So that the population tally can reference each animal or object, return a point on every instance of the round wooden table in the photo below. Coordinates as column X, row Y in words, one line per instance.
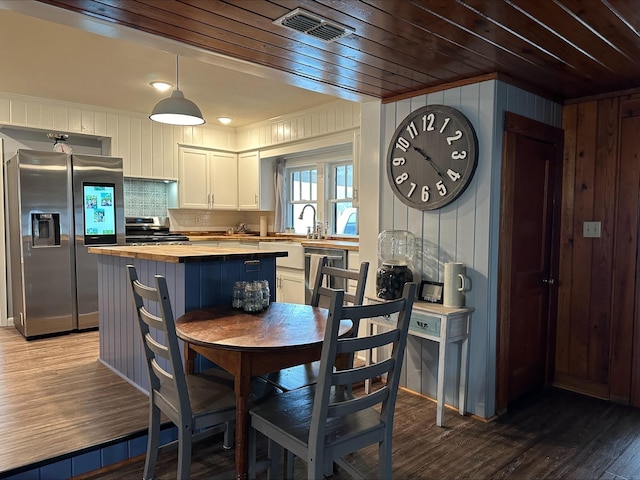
column 251, row 344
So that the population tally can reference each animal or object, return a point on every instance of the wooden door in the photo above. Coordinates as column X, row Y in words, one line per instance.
column 531, row 184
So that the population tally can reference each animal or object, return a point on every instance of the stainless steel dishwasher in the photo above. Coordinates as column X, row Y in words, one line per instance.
column 336, row 258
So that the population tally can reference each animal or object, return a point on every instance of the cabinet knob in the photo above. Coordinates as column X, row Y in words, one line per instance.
column 549, row 281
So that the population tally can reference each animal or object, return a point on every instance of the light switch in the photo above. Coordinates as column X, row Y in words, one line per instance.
column 591, row 230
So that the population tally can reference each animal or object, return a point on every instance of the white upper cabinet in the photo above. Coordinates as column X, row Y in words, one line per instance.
column 255, row 182
column 208, row 179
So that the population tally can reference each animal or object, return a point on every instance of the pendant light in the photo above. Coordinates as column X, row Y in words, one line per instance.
column 176, row 109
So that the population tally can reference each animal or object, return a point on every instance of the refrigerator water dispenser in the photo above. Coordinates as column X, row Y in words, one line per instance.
column 45, row 228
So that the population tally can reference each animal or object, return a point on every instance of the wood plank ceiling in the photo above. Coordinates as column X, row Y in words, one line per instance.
column 565, row 48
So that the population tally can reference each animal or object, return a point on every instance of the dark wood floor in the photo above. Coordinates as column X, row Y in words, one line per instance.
column 55, row 396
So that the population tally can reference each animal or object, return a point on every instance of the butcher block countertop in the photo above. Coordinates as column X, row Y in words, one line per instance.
column 186, row 253
column 320, row 243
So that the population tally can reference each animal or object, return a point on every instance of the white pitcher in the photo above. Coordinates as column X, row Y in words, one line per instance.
column 455, row 282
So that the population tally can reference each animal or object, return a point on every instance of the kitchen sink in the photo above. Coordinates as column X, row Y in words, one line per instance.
column 294, row 249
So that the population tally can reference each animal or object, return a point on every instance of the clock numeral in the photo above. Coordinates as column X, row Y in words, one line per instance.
column 397, row 162
column 459, row 155
column 444, row 125
column 413, row 131
column 401, row 178
column 453, row 175
column 403, row 144
column 454, row 137
column 425, row 193
column 412, row 189
column 442, row 190
column 427, row 122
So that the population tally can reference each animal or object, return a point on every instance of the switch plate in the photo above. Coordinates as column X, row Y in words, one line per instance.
column 591, row 230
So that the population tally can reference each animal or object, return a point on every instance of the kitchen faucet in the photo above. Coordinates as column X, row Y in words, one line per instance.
column 314, row 218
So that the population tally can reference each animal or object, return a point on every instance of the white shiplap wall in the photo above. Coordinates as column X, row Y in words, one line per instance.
column 324, row 120
column 148, row 149
column 465, row 231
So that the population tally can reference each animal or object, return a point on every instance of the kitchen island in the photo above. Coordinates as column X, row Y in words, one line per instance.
column 197, row 277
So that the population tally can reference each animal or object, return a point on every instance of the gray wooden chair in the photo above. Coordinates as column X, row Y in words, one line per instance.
column 323, row 423
column 199, row 405
column 307, row 374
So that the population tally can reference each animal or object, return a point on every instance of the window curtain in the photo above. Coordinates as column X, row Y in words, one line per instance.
column 279, row 224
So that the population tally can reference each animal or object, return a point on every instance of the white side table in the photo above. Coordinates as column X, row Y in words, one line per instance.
column 441, row 324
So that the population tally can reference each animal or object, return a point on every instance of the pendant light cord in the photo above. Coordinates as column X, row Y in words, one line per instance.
column 177, row 73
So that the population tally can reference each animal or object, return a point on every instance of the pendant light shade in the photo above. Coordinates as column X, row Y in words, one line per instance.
column 176, row 109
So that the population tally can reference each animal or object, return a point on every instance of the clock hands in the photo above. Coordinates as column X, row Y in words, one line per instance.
column 431, row 162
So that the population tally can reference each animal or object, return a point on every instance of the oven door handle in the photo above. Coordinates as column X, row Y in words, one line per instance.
column 329, row 257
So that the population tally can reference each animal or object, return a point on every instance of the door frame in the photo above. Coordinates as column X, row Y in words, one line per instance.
column 518, row 125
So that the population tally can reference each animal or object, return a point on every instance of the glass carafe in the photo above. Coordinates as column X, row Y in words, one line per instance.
column 395, row 250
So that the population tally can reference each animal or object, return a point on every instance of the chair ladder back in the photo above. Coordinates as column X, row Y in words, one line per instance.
column 324, row 406
column 324, row 270
column 165, row 346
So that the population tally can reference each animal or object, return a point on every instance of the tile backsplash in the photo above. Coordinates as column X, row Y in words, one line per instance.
column 146, row 198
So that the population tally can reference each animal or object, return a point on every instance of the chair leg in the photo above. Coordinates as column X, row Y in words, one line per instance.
column 289, row 459
column 152, row 443
column 229, row 435
column 276, row 453
column 184, row 453
column 384, row 458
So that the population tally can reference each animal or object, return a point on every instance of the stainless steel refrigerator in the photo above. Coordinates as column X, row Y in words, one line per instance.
column 57, row 206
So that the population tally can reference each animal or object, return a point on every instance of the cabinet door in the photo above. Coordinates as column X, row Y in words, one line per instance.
column 290, row 286
column 248, row 181
column 194, row 178
column 224, row 180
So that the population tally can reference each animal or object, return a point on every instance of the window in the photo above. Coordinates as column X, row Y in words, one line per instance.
column 344, row 216
column 303, row 191
column 320, row 188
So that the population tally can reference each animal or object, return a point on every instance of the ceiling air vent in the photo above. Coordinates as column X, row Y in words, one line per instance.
column 311, row 24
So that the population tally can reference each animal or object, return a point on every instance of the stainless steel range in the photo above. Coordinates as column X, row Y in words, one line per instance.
column 151, row 231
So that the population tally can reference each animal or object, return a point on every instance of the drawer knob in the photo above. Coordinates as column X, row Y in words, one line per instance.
column 423, row 324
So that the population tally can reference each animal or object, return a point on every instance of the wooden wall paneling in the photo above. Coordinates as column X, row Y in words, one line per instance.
column 46, row 114
column 169, row 152
column 18, row 112
column 5, row 110
column 61, row 118
column 100, row 127
column 150, row 166
column 112, row 131
column 135, row 147
column 34, row 116
column 469, row 100
column 630, row 106
column 75, row 120
column 156, row 154
column 602, row 252
column 87, row 121
column 625, row 261
column 124, row 145
column 565, row 273
column 583, row 207
column 483, row 293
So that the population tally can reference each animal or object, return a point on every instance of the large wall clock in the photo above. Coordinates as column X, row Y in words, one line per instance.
column 432, row 157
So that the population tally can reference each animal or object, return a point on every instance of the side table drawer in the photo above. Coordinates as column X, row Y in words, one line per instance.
column 425, row 324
